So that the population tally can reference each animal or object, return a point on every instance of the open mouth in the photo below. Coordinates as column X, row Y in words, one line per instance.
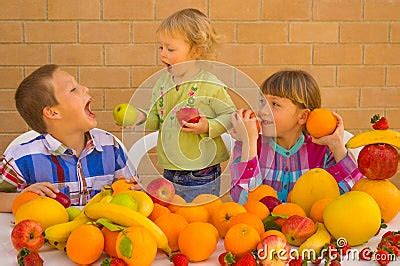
column 88, row 109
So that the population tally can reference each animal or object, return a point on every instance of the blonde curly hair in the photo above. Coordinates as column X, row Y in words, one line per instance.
column 196, row 29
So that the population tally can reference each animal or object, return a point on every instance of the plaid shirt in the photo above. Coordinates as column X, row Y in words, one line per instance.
column 45, row 159
column 281, row 168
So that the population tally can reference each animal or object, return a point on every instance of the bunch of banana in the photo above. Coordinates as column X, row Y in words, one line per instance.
column 145, row 204
column 57, row 245
column 127, row 217
column 315, row 242
column 373, row 137
column 60, row 232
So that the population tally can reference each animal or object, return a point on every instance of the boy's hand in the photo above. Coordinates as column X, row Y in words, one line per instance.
column 197, row 128
column 335, row 140
column 245, row 128
column 43, row 189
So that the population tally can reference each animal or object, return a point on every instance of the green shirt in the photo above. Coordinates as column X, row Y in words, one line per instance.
column 178, row 150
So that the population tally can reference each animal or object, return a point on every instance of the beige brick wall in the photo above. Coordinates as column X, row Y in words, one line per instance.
column 352, row 47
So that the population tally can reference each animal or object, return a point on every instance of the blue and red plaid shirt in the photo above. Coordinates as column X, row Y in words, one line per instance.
column 45, row 159
column 281, row 168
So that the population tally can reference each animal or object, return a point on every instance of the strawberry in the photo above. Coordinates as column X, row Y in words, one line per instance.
column 113, row 262
column 180, row 260
column 365, row 254
column 246, row 260
column 379, row 123
column 296, row 262
column 316, row 261
column 334, row 263
column 388, row 233
column 344, row 249
column 382, row 256
column 226, row 258
column 28, row 258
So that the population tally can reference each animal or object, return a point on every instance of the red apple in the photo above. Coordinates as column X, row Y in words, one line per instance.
column 273, row 250
column 270, row 202
column 378, row 161
column 188, row 114
column 63, row 199
column 27, row 234
column 161, row 190
column 297, row 229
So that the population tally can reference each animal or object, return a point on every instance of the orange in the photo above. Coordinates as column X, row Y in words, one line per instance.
column 136, row 246
column 209, row 201
column 262, row 191
column 289, row 196
column 176, row 202
column 272, row 233
column 120, row 185
column 110, row 240
column 158, row 210
column 317, row 209
column 23, row 198
column 85, row 244
column 241, row 238
column 250, row 219
column 287, row 209
column 257, row 208
column 198, row 241
column 172, row 225
column 321, row 122
column 222, row 216
column 193, row 213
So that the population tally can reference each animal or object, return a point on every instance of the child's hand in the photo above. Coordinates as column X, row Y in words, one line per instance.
column 43, row 189
column 335, row 140
column 133, row 181
column 197, row 128
column 245, row 128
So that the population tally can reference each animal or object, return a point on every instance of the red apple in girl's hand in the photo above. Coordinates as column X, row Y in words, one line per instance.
column 27, row 234
column 188, row 114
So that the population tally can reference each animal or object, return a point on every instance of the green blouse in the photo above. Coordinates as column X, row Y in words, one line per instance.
column 178, row 150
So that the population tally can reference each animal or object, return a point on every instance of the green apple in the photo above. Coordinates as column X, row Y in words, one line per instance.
column 124, row 200
column 125, row 114
column 73, row 212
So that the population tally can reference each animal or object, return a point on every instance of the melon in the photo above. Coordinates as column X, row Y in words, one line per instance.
column 354, row 216
column 314, row 185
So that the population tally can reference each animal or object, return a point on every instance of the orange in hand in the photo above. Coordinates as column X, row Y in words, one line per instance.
column 120, row 185
column 321, row 122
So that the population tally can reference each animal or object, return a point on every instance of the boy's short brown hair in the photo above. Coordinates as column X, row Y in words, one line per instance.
column 297, row 85
column 34, row 94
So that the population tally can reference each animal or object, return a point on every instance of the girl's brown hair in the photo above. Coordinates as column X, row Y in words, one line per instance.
column 195, row 27
column 297, row 85
column 34, row 94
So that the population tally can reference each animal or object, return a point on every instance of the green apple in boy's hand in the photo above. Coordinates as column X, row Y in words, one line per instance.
column 125, row 114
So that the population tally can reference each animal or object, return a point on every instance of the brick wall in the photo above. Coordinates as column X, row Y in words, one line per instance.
column 352, row 47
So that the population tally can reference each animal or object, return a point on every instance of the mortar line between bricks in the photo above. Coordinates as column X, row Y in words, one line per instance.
column 47, row 9
column 363, row 10
column 312, row 10
column 101, row 9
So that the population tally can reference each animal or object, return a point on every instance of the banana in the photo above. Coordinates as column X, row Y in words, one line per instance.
column 315, row 242
column 375, row 136
column 145, row 204
column 57, row 245
column 106, row 199
column 60, row 232
column 127, row 217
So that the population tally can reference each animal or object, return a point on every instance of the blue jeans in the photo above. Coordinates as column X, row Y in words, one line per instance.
column 189, row 184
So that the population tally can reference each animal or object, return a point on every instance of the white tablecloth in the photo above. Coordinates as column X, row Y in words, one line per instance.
column 54, row 257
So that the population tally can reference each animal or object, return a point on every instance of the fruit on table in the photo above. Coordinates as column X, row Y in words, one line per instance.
column 124, row 200
column 28, row 258
column 384, row 193
column 27, row 234
column 176, row 202
column 144, row 202
column 172, row 225
column 193, row 213
column 222, row 216
column 257, row 208
column 317, row 209
column 188, row 114
column 44, row 210
column 354, row 216
column 315, row 184
column 127, row 217
column 378, row 161
column 321, row 122
column 110, row 240
column 61, row 246
column 161, row 190
column 249, row 219
column 270, row 202
column 317, row 241
column 276, row 243
column 85, row 250
column 262, row 191
column 297, row 229
column 198, row 241
column 387, row 136
column 73, row 212
column 136, row 246
column 241, row 238
column 21, row 199
column 209, row 201
column 60, row 232
column 125, row 114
